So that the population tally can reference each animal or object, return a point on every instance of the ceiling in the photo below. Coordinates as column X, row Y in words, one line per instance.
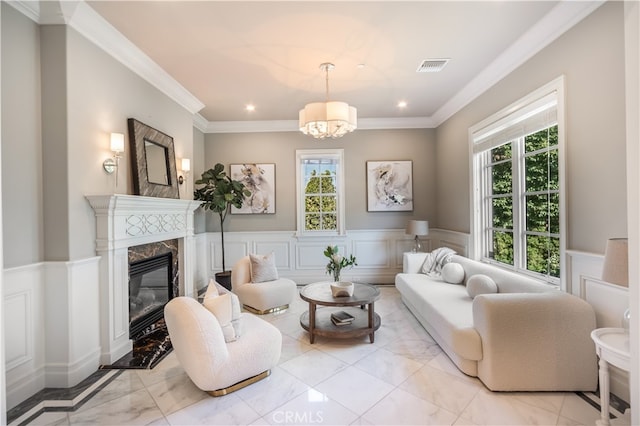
column 267, row 54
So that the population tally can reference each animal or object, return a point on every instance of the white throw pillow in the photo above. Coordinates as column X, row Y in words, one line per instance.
column 212, row 289
column 453, row 273
column 481, row 284
column 226, row 308
column 263, row 267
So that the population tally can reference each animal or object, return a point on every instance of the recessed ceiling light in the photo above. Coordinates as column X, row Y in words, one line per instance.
column 250, row 107
column 360, row 66
column 402, row 104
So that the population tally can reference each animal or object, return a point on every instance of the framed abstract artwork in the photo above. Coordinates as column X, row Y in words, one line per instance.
column 260, row 180
column 389, row 186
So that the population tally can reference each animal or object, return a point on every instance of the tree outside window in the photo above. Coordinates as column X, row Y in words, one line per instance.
column 320, row 191
column 538, row 200
column 517, row 185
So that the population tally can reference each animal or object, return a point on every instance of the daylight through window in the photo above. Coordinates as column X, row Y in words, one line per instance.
column 518, row 192
column 320, row 196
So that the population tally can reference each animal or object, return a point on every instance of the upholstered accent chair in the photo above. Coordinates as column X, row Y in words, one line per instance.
column 214, row 365
column 261, row 292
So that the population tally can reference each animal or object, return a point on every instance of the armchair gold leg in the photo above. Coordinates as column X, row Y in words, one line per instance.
column 240, row 385
column 266, row 311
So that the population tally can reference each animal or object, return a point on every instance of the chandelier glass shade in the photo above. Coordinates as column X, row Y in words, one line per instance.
column 329, row 119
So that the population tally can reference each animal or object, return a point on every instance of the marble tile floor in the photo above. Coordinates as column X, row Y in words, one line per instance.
column 403, row 378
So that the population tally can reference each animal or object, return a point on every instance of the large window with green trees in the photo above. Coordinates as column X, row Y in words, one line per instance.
column 518, row 191
column 320, row 192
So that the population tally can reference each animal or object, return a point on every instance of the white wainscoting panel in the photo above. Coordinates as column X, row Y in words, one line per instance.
column 281, row 250
column 378, row 252
column 609, row 301
column 24, row 331
column 18, row 308
column 581, row 264
column 53, row 340
column 201, row 271
column 373, row 254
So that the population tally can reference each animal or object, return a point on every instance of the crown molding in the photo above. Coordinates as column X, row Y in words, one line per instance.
column 82, row 18
column 292, row 125
column 91, row 25
column 200, row 123
column 555, row 23
column 30, row 9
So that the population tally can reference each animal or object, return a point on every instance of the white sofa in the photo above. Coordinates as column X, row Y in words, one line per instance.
column 528, row 336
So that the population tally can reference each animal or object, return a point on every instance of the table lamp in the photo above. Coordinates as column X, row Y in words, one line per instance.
column 417, row 228
column 615, row 269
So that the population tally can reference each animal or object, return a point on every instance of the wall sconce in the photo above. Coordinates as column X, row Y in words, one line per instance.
column 110, row 165
column 186, row 168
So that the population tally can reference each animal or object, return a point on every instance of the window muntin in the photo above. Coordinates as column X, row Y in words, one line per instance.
column 523, row 175
column 517, row 180
column 320, row 192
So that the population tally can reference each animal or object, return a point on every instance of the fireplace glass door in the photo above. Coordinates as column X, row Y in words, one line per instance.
column 150, row 288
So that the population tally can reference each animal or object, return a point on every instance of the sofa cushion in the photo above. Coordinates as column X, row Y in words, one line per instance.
column 263, row 267
column 225, row 306
column 507, row 281
column 453, row 273
column 481, row 284
column 447, row 308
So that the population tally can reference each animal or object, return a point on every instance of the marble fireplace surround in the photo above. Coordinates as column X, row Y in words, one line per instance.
column 124, row 221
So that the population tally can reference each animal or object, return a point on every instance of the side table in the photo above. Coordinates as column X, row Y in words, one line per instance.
column 612, row 347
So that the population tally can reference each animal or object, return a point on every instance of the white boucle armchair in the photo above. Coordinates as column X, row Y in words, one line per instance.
column 262, row 297
column 212, row 364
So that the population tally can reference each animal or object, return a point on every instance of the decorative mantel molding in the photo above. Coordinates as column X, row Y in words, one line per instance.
column 124, row 221
column 128, row 220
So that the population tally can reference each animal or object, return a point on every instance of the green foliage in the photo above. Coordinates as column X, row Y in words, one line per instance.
column 219, row 192
column 320, row 202
column 542, row 207
column 337, row 262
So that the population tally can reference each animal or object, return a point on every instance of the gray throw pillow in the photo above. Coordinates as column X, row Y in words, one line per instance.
column 263, row 267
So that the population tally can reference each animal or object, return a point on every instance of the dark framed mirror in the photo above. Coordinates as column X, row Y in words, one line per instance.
column 153, row 161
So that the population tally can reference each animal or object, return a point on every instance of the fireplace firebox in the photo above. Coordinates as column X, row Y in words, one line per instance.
column 150, row 288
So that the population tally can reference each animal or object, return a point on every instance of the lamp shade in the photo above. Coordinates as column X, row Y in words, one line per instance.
column 616, row 262
column 117, row 142
column 186, row 165
column 417, row 227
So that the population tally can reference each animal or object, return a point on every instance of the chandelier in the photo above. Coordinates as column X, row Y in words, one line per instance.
column 329, row 119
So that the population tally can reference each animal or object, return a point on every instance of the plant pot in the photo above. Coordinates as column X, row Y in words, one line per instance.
column 224, row 279
column 342, row 289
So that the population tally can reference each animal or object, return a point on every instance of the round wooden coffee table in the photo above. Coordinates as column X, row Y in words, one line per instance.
column 360, row 306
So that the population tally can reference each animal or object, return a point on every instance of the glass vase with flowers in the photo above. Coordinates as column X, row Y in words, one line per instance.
column 337, row 262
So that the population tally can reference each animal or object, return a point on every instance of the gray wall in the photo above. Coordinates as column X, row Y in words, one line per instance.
column 21, row 140
column 359, row 147
column 197, row 167
column 83, row 95
column 102, row 94
column 591, row 56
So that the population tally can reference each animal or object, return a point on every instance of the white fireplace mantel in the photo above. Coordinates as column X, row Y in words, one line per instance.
column 124, row 221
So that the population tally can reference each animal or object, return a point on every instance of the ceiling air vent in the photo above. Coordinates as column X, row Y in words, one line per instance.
column 432, row 65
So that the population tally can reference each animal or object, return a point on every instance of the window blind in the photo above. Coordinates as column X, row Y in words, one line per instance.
column 535, row 116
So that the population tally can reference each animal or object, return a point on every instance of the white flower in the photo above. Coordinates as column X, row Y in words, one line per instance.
column 336, row 258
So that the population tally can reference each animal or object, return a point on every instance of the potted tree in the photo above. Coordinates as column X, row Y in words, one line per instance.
column 219, row 192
